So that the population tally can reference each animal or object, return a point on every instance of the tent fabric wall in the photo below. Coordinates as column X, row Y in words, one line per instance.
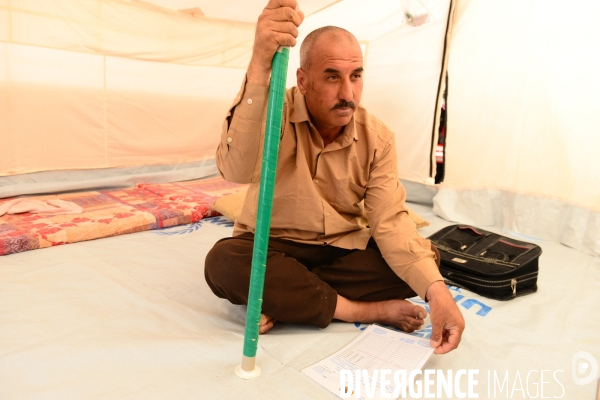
column 104, row 84
column 235, row 10
column 114, row 83
column 129, row 29
column 523, row 109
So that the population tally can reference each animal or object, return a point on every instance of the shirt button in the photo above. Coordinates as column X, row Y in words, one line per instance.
column 327, row 214
column 249, row 101
column 317, row 181
column 229, row 139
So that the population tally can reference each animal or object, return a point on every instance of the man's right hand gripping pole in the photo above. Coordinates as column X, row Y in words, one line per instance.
column 277, row 26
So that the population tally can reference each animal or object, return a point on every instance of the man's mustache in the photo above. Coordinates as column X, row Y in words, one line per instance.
column 344, row 104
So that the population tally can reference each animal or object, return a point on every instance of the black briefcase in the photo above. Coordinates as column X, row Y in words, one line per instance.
column 488, row 264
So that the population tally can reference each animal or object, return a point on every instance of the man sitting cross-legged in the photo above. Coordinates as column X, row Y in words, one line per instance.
column 336, row 161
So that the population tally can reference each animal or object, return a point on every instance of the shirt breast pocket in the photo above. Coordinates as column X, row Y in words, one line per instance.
column 348, row 197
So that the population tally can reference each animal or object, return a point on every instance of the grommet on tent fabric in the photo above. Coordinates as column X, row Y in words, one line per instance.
column 248, row 369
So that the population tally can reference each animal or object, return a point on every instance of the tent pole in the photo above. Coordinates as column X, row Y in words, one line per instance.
column 248, row 369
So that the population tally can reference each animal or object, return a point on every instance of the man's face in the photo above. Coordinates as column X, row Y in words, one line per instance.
column 333, row 83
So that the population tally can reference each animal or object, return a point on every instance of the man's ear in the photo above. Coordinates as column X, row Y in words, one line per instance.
column 301, row 80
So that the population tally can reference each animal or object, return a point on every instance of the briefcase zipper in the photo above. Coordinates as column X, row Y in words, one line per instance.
column 513, row 284
column 512, row 281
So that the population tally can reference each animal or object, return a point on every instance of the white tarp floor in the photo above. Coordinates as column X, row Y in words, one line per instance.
column 132, row 317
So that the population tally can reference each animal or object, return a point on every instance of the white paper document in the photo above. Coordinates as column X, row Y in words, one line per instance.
column 372, row 358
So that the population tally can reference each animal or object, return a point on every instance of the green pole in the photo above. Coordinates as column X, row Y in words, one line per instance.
column 248, row 369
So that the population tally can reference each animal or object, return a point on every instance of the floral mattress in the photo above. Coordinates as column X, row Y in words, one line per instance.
column 113, row 212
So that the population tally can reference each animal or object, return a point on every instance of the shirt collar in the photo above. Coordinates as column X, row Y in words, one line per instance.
column 300, row 113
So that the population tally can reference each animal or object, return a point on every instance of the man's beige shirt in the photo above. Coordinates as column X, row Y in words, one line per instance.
column 320, row 192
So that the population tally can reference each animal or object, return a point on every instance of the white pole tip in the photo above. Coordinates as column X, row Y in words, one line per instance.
column 242, row 373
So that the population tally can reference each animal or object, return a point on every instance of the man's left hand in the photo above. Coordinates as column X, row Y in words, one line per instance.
column 448, row 323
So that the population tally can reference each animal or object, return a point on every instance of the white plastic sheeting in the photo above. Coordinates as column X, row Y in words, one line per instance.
column 132, row 317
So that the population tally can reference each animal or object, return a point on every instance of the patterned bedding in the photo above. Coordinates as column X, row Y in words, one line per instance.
column 114, row 212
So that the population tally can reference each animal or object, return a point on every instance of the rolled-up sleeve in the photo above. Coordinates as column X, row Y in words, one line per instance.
column 239, row 149
column 406, row 252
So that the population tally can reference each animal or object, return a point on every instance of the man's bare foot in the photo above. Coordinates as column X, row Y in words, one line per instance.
column 400, row 313
column 265, row 324
column 403, row 314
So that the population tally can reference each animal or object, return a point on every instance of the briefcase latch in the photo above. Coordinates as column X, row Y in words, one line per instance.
column 513, row 285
